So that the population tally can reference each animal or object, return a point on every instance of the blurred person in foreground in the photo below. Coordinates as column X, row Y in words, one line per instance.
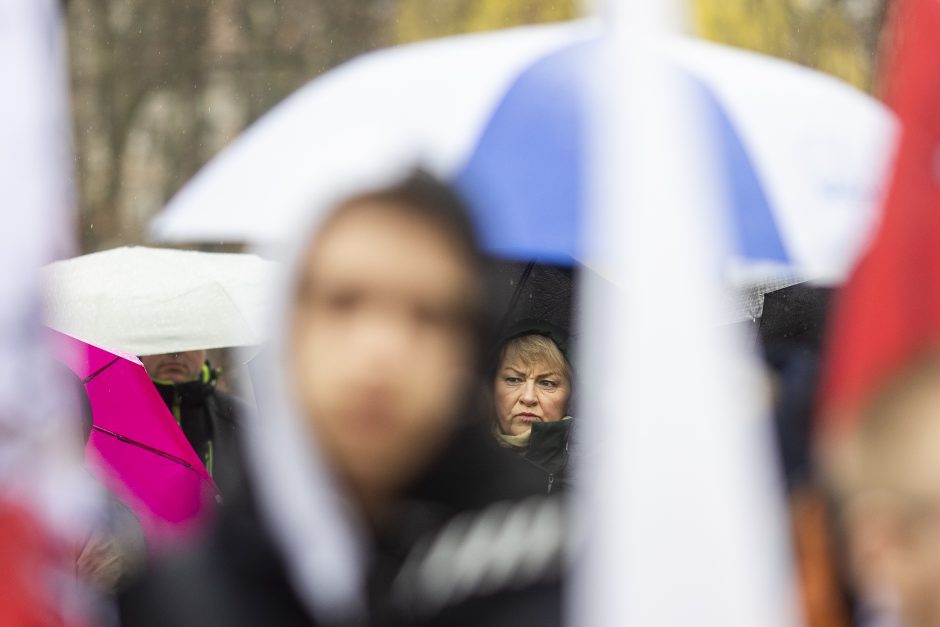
column 532, row 395
column 888, row 487
column 374, row 495
column 187, row 382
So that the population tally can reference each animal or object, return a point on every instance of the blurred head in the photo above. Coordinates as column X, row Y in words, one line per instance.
column 532, row 384
column 175, row 367
column 892, row 507
column 382, row 344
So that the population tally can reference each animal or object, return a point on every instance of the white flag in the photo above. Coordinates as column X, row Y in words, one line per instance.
column 682, row 512
column 40, row 451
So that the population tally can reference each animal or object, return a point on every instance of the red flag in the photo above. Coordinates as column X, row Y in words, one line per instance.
column 35, row 590
column 890, row 309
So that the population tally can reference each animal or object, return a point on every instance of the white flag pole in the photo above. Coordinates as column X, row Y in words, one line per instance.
column 681, row 511
column 40, row 452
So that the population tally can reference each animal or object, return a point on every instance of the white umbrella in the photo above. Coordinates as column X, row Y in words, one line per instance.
column 501, row 115
column 148, row 301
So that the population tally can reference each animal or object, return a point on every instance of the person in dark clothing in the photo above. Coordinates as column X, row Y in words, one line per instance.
column 532, row 392
column 370, row 453
column 240, row 576
column 188, row 385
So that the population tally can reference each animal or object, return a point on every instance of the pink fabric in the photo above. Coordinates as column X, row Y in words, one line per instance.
column 158, row 475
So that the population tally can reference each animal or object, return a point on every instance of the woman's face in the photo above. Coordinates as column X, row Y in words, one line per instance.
column 529, row 393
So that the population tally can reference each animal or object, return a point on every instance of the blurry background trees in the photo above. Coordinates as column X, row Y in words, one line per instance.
column 836, row 36
column 160, row 86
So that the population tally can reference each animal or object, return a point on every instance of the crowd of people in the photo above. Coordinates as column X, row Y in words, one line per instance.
column 408, row 455
column 406, row 452
column 386, row 340
column 406, row 460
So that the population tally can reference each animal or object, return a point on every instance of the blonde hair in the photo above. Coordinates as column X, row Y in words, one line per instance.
column 534, row 348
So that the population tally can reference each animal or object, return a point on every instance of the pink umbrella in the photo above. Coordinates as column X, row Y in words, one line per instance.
column 136, row 449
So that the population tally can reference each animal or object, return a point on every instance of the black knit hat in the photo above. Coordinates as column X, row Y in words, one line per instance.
column 537, row 327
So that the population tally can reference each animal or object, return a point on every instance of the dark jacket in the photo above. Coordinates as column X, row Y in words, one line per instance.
column 210, row 420
column 548, row 451
column 546, row 457
column 234, row 577
column 237, row 577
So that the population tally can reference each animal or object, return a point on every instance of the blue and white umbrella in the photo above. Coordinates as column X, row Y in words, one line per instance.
column 505, row 117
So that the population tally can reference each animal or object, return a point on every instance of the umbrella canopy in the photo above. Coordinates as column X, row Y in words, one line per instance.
column 147, row 301
column 136, row 449
column 503, row 115
column 531, row 291
column 796, row 315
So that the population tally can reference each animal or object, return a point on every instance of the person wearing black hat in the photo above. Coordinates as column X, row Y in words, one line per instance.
column 532, row 393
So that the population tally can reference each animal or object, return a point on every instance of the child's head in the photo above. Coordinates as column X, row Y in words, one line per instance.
column 891, row 496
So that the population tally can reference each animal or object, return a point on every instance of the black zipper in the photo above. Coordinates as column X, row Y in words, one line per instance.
column 551, row 482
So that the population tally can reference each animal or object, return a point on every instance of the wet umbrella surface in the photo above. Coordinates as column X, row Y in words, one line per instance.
column 532, row 291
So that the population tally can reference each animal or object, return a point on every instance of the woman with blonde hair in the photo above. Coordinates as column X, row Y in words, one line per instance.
column 532, row 395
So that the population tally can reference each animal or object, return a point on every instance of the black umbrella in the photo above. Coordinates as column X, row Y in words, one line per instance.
column 531, row 291
column 795, row 315
column 792, row 334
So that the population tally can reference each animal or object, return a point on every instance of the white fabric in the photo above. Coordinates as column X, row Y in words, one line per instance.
column 681, row 510
column 40, row 451
column 148, row 301
column 314, row 527
column 820, row 147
